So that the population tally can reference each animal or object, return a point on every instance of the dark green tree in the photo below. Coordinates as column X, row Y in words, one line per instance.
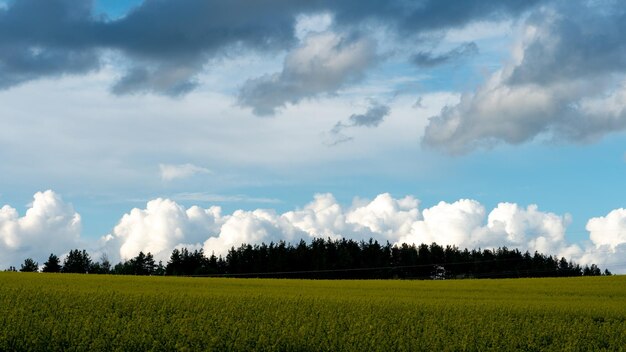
column 105, row 264
column 29, row 266
column 77, row 262
column 122, row 269
column 160, row 269
column 175, row 264
column 143, row 264
column 101, row 267
column 53, row 265
column 348, row 259
column 592, row 271
column 185, row 262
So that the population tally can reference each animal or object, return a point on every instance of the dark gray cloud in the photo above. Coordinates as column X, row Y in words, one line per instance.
column 171, row 29
column 373, row 117
column 24, row 64
column 45, row 38
column 54, row 37
column 578, row 41
column 429, row 59
column 167, row 35
column 172, row 81
column 420, row 16
column 567, row 84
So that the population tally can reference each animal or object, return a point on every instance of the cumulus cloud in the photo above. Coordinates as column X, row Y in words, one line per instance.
column 384, row 217
column 164, row 225
column 159, row 228
column 447, row 223
column 171, row 172
column 323, row 217
column 373, row 117
column 609, row 230
column 324, row 63
column 158, row 38
column 49, row 225
column 565, row 82
column 530, row 228
column 466, row 223
column 608, row 238
column 250, row 227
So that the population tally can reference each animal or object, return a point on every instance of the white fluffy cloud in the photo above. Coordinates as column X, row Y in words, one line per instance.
column 462, row 223
column 49, row 226
column 531, row 229
column 384, row 216
column 323, row 217
column 608, row 236
column 609, row 230
column 160, row 227
column 448, row 224
column 249, row 227
column 164, row 225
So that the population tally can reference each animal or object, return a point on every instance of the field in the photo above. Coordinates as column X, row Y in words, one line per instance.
column 63, row 312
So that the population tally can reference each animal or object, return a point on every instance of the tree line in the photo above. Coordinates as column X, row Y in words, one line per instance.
column 331, row 259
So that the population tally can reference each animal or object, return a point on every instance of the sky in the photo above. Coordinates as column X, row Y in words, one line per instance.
column 151, row 125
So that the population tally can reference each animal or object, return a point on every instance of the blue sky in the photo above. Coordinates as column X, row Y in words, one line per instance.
column 114, row 8
column 501, row 121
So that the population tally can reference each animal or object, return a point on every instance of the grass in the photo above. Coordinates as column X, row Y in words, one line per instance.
column 54, row 312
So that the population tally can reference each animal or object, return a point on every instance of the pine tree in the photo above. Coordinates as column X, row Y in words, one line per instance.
column 53, row 265
column 77, row 262
column 29, row 266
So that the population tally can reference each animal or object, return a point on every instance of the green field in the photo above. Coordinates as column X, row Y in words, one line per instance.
column 63, row 312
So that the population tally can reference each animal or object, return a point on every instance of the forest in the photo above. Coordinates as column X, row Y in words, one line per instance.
column 330, row 259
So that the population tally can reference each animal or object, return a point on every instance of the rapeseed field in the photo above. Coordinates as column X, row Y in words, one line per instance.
column 52, row 312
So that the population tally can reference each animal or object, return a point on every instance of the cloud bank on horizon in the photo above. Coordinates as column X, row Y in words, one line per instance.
column 51, row 225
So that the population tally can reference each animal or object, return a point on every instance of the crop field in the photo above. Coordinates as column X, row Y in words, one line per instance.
column 55, row 312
